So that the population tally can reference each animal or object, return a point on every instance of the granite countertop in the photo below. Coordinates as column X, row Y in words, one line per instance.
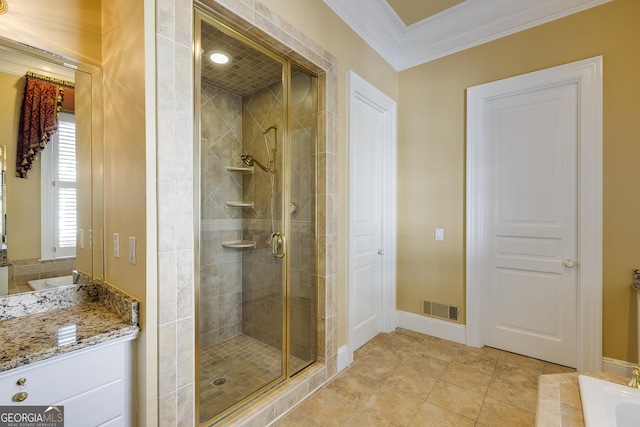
column 39, row 325
column 559, row 401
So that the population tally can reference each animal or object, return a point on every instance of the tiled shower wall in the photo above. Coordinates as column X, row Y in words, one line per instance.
column 220, row 268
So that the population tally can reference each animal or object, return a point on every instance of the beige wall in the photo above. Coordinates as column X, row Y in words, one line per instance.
column 66, row 27
column 431, row 157
column 323, row 26
column 125, row 179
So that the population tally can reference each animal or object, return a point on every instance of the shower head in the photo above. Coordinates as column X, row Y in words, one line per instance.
column 250, row 161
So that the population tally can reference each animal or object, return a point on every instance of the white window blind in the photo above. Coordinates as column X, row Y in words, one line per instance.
column 59, row 219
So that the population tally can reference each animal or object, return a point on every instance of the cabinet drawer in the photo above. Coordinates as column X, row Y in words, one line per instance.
column 94, row 408
column 62, row 377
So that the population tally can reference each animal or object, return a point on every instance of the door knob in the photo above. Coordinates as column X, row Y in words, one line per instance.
column 380, row 252
column 569, row 263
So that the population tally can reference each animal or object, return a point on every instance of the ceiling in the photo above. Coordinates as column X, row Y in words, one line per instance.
column 411, row 32
column 412, row 11
column 248, row 70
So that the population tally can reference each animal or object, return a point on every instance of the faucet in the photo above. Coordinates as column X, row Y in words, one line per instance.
column 635, row 377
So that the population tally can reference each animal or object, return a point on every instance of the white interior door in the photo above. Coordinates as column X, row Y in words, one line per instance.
column 366, row 227
column 371, row 213
column 531, row 263
column 534, row 201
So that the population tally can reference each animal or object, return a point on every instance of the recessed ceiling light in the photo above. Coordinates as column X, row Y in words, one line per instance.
column 218, row 57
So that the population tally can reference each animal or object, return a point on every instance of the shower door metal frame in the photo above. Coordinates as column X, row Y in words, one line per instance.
column 203, row 13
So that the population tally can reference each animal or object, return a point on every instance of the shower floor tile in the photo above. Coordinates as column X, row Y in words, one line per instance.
column 244, row 365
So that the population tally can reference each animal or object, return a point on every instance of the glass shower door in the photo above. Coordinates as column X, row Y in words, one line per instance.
column 302, row 221
column 242, row 334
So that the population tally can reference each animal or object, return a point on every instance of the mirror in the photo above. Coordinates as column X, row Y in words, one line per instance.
column 53, row 219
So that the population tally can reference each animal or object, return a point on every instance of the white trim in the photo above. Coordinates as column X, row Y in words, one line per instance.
column 468, row 24
column 617, row 367
column 361, row 89
column 432, row 327
column 588, row 75
column 343, row 358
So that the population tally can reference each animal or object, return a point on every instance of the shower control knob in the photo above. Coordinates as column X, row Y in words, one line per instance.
column 569, row 263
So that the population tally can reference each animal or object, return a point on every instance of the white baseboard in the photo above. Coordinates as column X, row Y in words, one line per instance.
column 617, row 367
column 430, row 326
column 343, row 358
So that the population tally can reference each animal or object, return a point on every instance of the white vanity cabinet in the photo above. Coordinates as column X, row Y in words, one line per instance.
column 94, row 384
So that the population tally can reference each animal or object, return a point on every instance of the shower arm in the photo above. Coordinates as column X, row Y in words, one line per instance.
column 271, row 157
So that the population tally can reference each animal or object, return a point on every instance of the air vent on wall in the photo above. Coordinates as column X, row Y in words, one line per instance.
column 439, row 310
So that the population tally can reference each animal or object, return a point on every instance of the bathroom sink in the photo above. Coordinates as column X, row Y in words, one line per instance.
column 606, row 404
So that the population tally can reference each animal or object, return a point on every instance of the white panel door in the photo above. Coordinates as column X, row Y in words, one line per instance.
column 366, row 130
column 372, row 216
column 531, row 223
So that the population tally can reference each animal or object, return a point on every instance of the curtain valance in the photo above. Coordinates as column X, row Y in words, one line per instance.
column 43, row 99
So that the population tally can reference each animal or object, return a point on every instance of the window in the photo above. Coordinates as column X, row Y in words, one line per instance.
column 59, row 218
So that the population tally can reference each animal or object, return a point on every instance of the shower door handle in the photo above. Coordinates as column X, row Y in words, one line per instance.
column 277, row 245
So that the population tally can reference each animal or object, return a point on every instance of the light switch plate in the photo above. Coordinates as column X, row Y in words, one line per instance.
column 439, row 235
column 132, row 250
column 116, row 245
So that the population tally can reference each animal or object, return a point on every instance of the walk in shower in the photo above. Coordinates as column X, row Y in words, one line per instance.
column 257, row 250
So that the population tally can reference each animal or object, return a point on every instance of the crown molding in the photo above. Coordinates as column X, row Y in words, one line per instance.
column 461, row 27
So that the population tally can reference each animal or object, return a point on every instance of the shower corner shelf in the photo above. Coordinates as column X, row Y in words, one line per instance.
column 248, row 170
column 239, row 244
column 240, row 204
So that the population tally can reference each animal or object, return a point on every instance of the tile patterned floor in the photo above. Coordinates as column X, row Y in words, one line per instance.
column 409, row 379
column 244, row 363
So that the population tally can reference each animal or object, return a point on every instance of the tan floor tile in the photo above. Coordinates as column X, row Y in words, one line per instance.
column 372, row 367
column 467, row 377
column 354, row 386
column 484, row 362
column 552, row 368
column 432, row 415
column 394, row 404
column 497, row 414
column 521, row 372
column 456, row 399
column 418, row 335
column 327, row 408
column 403, row 340
column 295, row 419
column 513, row 393
column 517, row 361
column 441, row 349
column 427, row 365
column 411, row 381
column 485, row 351
column 387, row 353
column 359, row 353
column 370, row 418
column 394, row 373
